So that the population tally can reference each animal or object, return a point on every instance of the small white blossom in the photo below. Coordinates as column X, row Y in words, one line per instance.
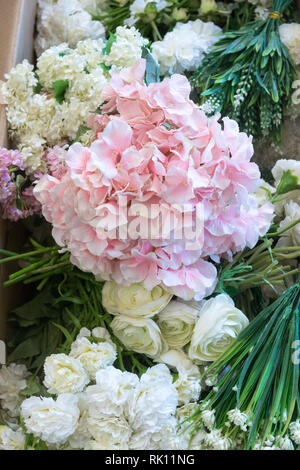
column 238, row 418
column 285, row 443
column 216, row 441
column 208, row 418
column 294, row 429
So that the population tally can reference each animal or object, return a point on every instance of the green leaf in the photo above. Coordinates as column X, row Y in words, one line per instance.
column 152, row 67
column 81, row 131
column 112, row 38
column 288, row 183
column 29, row 348
column 33, row 387
column 275, row 95
column 65, row 332
column 261, row 82
column 38, row 87
column 279, row 64
column 104, row 67
column 60, row 87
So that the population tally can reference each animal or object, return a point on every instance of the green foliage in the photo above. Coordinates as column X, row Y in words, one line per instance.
column 67, row 300
column 288, row 182
column 81, row 131
column 154, row 24
column 109, row 43
column 248, row 76
column 152, row 67
column 60, row 88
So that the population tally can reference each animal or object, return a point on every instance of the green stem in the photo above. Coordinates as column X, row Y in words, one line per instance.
column 276, row 234
column 26, row 255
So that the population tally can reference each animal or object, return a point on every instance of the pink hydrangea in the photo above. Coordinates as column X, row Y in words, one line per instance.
column 156, row 149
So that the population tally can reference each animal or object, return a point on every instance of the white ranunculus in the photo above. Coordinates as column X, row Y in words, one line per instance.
column 64, row 374
column 52, row 421
column 12, row 381
column 263, row 192
column 11, row 440
column 176, row 323
column 134, row 300
column 292, row 236
column 141, row 335
column 218, row 325
column 93, row 355
column 284, row 165
column 290, row 36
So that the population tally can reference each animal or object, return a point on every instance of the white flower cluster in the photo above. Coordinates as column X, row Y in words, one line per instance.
column 119, row 412
column 126, row 50
column 96, row 406
column 67, row 21
column 36, row 119
column 90, row 352
column 184, row 48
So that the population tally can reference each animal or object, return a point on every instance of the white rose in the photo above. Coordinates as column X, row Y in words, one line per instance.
column 176, row 323
column 292, row 236
column 64, row 374
column 93, row 356
column 134, row 300
column 52, row 421
column 218, row 325
column 141, row 335
column 12, row 381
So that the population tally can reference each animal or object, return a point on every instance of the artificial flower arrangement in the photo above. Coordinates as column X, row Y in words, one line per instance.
column 165, row 268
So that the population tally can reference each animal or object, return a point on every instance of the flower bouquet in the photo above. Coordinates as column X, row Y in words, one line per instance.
column 163, row 269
